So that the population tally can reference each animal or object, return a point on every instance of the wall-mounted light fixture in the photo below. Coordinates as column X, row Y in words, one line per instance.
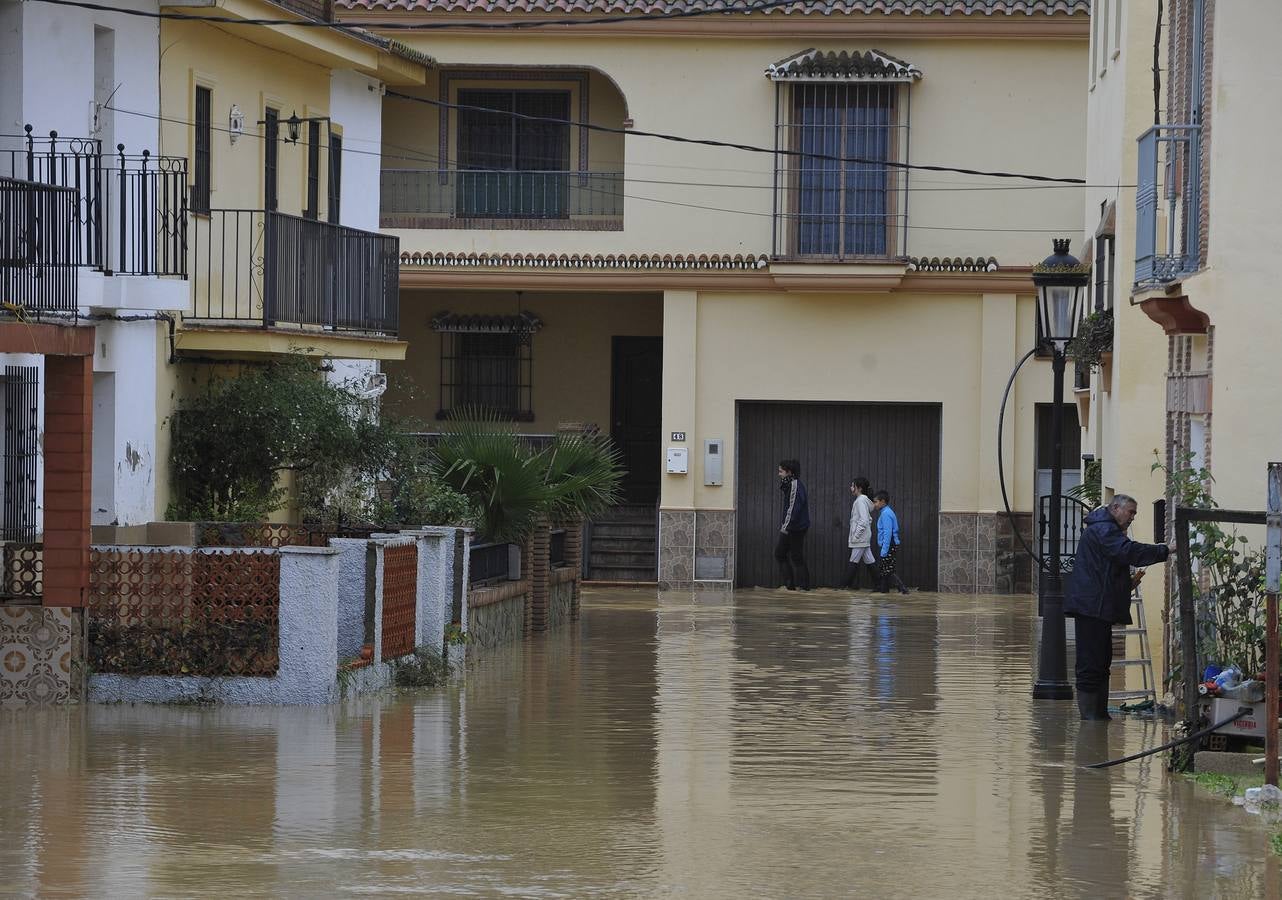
column 235, row 123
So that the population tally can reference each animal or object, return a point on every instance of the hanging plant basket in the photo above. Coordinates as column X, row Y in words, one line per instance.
column 1093, row 345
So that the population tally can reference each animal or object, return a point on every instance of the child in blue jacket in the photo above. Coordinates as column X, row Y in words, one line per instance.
column 887, row 544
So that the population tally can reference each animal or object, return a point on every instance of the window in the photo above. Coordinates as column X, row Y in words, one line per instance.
column 21, row 452
column 335, row 177
column 312, row 211
column 200, row 190
column 840, row 194
column 486, row 363
column 271, row 155
column 512, row 167
column 1104, row 264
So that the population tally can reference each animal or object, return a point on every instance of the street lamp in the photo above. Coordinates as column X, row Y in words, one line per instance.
column 1061, row 283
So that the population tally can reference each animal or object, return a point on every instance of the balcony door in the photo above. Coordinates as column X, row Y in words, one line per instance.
column 510, row 167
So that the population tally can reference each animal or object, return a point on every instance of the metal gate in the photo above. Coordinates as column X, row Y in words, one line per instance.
column 21, row 429
column 895, row 445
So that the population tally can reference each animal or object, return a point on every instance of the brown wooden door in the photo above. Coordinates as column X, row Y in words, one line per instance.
column 895, row 445
column 636, row 412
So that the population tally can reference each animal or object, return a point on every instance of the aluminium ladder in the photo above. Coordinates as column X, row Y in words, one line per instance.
column 1139, row 629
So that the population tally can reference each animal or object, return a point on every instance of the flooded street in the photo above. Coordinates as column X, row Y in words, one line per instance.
column 759, row 744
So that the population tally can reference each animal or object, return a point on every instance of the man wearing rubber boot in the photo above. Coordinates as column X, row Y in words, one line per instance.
column 1098, row 595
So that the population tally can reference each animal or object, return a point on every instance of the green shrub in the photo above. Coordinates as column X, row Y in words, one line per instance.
column 425, row 668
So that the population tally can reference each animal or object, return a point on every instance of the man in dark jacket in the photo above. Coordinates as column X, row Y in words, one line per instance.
column 1099, row 596
column 790, row 549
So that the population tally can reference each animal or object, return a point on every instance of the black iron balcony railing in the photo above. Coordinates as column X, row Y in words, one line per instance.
column 442, row 197
column 1168, row 204
column 39, row 252
column 130, row 216
column 268, row 269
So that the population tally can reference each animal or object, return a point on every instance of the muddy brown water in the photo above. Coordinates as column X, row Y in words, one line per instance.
column 759, row 744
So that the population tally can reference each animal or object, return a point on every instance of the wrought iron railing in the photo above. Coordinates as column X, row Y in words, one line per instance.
column 39, row 252
column 440, row 197
column 488, row 563
column 1168, row 203
column 130, row 211
column 1073, row 514
column 249, row 266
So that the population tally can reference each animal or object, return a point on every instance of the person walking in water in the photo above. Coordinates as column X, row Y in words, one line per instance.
column 860, row 537
column 887, row 544
column 790, row 549
column 1098, row 596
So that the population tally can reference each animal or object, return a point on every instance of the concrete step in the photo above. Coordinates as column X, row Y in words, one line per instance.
column 624, row 558
column 620, row 573
column 602, row 530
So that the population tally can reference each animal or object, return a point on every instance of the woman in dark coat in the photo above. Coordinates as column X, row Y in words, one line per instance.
column 1098, row 595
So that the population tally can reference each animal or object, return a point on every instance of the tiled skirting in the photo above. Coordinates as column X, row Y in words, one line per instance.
column 40, row 651
column 696, row 549
column 978, row 553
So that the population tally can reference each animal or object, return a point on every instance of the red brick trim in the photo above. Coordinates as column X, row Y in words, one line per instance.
column 46, row 339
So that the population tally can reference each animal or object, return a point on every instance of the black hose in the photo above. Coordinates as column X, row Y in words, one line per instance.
column 1172, row 744
column 1001, row 465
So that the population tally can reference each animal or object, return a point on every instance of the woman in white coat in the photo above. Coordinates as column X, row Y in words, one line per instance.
column 860, row 537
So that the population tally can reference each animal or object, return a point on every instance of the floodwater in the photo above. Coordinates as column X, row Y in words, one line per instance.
column 761, row 744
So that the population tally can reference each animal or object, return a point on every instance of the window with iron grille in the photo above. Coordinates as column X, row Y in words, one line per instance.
column 841, row 135
column 313, row 171
column 488, row 371
column 512, row 167
column 202, row 162
column 335, row 177
column 271, row 157
column 21, row 422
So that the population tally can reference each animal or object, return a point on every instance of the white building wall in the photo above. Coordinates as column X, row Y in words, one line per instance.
column 124, row 458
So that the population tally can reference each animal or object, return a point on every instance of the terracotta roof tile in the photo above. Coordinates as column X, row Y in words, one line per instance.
column 650, row 261
column 868, row 65
column 801, row 7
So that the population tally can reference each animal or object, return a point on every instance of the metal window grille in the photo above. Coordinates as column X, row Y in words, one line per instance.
column 836, row 196
column 313, row 171
column 487, row 370
column 271, row 157
column 203, row 161
column 21, row 428
column 512, row 167
column 335, row 177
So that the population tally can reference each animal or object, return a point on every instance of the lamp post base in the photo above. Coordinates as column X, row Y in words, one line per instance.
column 1052, row 690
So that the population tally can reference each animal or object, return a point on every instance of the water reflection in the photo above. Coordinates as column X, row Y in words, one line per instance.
column 702, row 745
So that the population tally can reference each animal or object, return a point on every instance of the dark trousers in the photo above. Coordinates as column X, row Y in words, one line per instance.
column 1094, row 654
column 790, row 553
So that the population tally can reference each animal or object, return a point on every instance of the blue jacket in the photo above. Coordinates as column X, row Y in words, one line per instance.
column 796, row 509
column 887, row 530
column 1100, row 584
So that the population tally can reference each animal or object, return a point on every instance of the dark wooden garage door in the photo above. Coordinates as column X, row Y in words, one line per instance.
column 895, row 446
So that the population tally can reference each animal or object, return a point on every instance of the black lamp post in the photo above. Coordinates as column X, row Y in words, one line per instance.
column 1061, row 283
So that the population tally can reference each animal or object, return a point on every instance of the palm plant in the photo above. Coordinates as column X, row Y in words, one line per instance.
column 484, row 458
column 583, row 473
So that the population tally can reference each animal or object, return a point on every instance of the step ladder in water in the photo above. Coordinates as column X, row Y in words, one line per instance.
column 1144, row 662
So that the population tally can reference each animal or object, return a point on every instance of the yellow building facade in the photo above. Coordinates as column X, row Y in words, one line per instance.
column 825, row 295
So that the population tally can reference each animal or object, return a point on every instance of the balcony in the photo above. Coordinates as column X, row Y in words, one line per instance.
column 1168, row 201
column 129, row 215
column 39, row 253
column 252, row 268
column 509, row 199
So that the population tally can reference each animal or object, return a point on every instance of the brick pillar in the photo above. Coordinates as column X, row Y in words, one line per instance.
column 540, row 571
column 68, row 447
column 574, row 559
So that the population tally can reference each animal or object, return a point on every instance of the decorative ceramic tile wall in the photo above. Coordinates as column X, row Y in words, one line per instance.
column 38, row 645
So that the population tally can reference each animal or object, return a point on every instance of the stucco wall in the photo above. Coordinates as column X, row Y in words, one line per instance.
column 309, row 587
column 572, row 352
column 975, row 107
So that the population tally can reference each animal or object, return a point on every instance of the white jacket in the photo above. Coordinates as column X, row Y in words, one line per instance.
column 860, row 522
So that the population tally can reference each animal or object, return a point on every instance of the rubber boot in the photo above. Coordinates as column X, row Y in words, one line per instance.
column 1101, row 707
column 852, row 576
column 1088, row 705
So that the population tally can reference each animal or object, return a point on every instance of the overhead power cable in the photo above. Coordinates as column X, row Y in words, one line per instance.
column 470, row 25
column 732, row 145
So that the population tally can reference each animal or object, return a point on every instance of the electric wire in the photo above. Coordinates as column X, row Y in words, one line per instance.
column 1170, row 745
column 733, row 145
column 350, row 25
